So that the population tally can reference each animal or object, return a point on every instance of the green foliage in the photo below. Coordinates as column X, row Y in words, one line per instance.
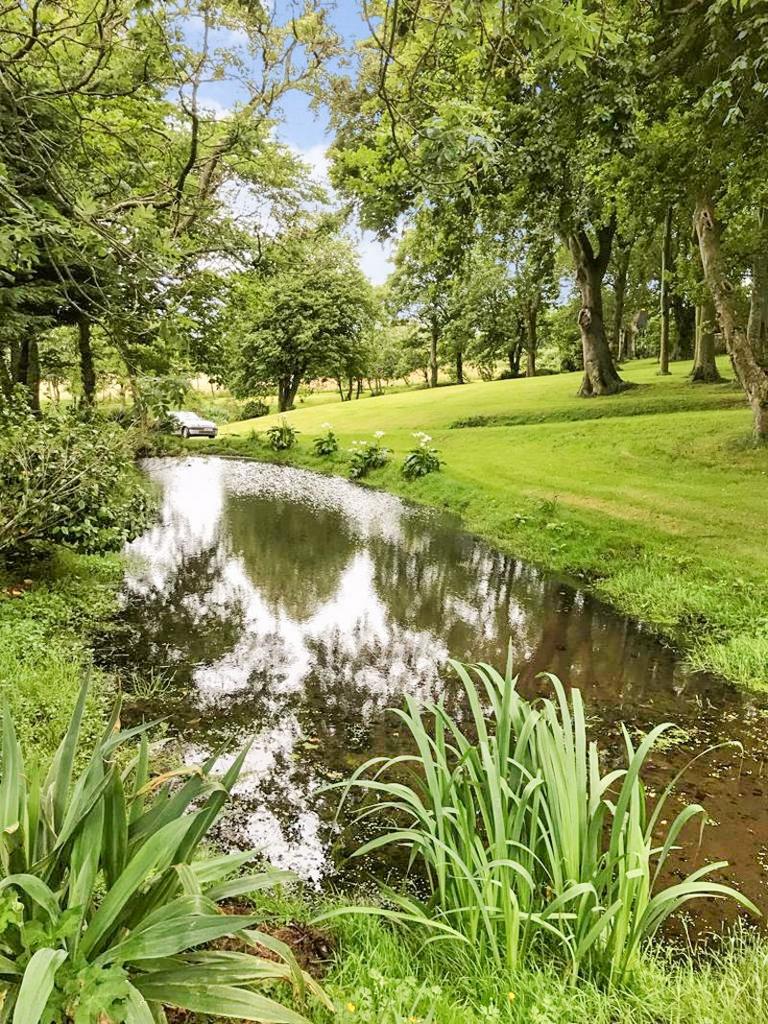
column 282, row 436
column 421, row 460
column 305, row 316
column 49, row 614
column 254, row 409
column 367, row 455
column 527, row 844
column 327, row 443
column 102, row 903
column 71, row 482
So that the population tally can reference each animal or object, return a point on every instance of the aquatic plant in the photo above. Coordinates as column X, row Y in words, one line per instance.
column 421, row 460
column 103, row 906
column 367, row 455
column 525, row 842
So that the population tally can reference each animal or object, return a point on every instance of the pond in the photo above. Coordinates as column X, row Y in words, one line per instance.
column 294, row 608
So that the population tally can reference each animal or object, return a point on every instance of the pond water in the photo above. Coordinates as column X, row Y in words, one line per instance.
column 273, row 603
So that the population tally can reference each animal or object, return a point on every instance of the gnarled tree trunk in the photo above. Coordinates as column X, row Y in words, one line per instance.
column 287, row 389
column 600, row 376
column 704, row 364
column 752, row 377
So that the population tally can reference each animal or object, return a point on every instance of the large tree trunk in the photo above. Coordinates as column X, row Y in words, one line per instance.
column 433, row 355
column 513, row 355
column 600, row 376
column 666, row 261
column 752, row 377
column 623, row 253
column 459, row 367
column 704, row 365
column 684, row 316
column 87, row 371
column 287, row 390
column 757, row 325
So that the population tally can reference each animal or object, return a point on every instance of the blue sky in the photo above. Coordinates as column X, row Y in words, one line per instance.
column 306, row 130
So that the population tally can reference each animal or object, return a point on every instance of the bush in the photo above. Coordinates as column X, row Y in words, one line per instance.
column 70, row 482
column 254, row 409
column 367, row 455
column 327, row 443
column 524, row 842
column 422, row 459
column 282, row 437
column 103, row 906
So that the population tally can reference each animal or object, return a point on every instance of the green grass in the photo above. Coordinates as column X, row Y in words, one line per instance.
column 383, row 974
column 45, row 634
column 660, row 512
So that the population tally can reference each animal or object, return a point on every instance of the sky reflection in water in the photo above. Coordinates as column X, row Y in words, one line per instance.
column 297, row 608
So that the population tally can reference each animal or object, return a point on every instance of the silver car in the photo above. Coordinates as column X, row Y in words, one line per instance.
column 189, row 424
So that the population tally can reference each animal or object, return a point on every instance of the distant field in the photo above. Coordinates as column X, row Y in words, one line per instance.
column 655, row 496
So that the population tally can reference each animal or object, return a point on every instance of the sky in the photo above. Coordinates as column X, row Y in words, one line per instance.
column 307, row 131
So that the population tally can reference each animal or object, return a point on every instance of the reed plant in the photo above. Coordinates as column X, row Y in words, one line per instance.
column 526, row 843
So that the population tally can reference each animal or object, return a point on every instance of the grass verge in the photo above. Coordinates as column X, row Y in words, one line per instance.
column 383, row 974
column 660, row 513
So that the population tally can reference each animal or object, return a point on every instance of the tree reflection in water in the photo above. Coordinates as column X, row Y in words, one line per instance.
column 298, row 608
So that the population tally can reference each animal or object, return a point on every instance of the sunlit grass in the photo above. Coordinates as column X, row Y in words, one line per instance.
column 663, row 513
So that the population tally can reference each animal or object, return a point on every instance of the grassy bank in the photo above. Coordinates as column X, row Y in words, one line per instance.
column 655, row 498
column 379, row 974
column 48, row 614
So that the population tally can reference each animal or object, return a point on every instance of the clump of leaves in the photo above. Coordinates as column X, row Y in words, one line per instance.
column 67, row 481
column 421, row 460
column 327, row 443
column 367, row 455
column 254, row 409
column 105, row 912
column 522, row 839
column 282, row 436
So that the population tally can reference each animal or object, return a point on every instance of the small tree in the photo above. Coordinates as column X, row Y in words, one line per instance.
column 304, row 317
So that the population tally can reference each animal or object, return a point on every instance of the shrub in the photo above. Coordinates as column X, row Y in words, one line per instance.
column 70, row 482
column 282, row 436
column 254, row 409
column 524, row 841
column 327, row 443
column 422, row 459
column 367, row 455
column 103, row 907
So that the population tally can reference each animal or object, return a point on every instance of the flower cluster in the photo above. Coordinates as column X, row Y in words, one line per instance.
column 327, row 443
column 367, row 455
column 422, row 459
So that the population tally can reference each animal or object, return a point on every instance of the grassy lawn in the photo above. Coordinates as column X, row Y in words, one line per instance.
column 654, row 497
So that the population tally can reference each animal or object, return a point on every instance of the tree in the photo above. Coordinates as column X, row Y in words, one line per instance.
column 117, row 179
column 304, row 316
column 421, row 288
column 476, row 104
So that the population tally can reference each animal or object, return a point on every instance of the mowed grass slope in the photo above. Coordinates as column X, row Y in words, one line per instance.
column 656, row 497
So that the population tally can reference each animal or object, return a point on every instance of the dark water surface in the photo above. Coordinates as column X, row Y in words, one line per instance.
column 273, row 602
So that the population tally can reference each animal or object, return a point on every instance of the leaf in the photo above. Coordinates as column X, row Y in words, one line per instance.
column 219, row 1001
column 37, row 985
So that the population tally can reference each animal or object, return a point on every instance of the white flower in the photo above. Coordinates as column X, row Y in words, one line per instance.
column 378, row 434
column 325, row 426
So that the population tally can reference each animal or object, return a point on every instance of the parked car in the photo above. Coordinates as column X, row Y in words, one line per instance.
column 189, row 424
